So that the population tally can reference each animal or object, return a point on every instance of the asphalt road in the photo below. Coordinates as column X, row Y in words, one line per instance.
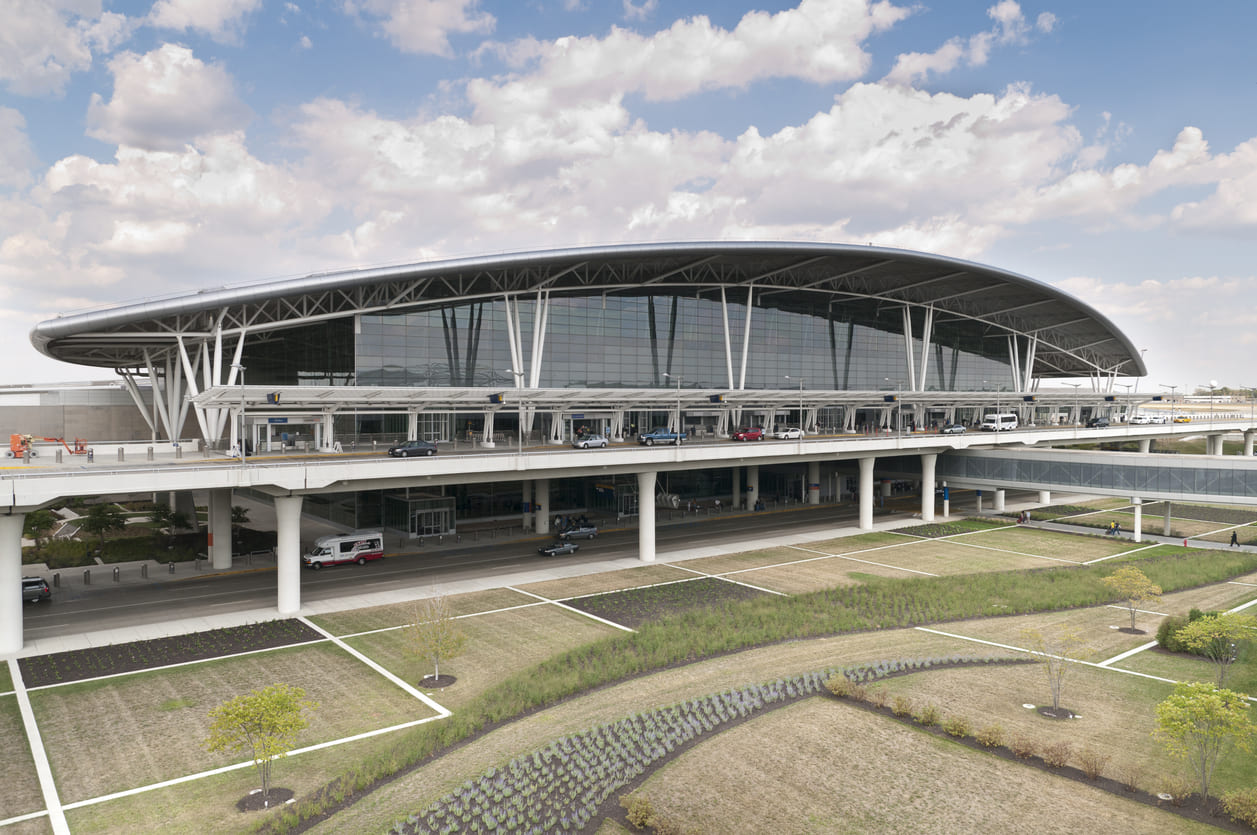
column 76, row 608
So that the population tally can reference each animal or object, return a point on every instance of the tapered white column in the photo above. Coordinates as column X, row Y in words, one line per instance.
column 1165, row 530
column 752, row 486
column 813, row 482
column 1045, row 497
column 1248, row 442
column 646, row 516
column 11, row 583
column 288, row 553
column 999, row 501
column 1145, row 446
column 928, row 463
column 866, row 493
column 219, row 537
column 541, row 501
column 1139, row 518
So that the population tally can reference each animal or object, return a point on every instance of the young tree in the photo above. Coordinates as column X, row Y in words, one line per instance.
column 37, row 526
column 103, row 518
column 1133, row 586
column 1199, row 723
column 165, row 520
column 434, row 633
column 263, row 724
column 1056, row 653
column 1218, row 637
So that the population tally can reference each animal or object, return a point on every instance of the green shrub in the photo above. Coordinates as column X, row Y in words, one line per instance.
column 1241, row 805
column 991, row 736
column 957, row 726
column 638, row 809
column 839, row 686
column 1092, row 762
column 1167, row 634
column 929, row 715
column 1057, row 754
column 1023, row 747
column 901, row 705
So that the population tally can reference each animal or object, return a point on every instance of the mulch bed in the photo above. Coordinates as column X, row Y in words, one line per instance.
column 437, row 682
column 253, row 802
column 79, row 664
column 634, row 607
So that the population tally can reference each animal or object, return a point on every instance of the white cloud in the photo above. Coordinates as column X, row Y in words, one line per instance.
column 16, row 156
column 1010, row 28
column 222, row 20
column 820, row 41
column 1232, row 207
column 164, row 100
column 633, row 11
column 43, row 43
column 423, row 26
column 304, row 42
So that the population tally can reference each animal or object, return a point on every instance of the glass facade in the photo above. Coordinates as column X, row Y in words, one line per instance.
column 632, row 340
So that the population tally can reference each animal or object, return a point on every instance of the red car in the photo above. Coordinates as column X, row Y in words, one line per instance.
column 750, row 433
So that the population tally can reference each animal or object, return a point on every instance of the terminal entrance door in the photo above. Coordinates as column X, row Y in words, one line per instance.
column 430, row 522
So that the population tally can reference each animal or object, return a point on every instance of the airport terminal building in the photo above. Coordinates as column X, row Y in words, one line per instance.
column 539, row 348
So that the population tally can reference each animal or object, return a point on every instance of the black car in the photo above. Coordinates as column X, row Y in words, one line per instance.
column 35, row 588
column 410, row 448
column 1097, row 423
column 558, row 549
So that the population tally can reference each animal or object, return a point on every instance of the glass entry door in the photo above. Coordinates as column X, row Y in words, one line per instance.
column 431, row 522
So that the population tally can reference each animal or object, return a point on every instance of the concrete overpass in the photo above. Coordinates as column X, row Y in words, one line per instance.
column 978, row 459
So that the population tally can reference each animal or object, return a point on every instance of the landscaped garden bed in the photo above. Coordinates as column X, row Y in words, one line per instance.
column 79, row 664
column 635, row 607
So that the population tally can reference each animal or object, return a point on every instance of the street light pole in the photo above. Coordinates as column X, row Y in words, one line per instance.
column 1213, row 384
column 240, row 368
column 677, row 377
column 1171, row 388
column 801, row 420
column 519, row 405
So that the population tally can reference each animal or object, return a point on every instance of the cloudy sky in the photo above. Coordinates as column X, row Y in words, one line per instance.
column 151, row 148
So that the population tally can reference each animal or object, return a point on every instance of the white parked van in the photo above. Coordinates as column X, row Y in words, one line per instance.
column 998, row 423
column 355, row 546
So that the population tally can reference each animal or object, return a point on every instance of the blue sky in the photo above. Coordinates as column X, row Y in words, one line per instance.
column 150, row 148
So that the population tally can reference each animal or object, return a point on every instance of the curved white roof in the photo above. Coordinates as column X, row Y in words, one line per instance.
column 1073, row 338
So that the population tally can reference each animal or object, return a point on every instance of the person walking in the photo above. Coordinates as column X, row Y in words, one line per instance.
column 1235, row 540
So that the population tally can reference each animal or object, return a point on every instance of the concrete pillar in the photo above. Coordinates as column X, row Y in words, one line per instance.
column 1045, row 497
column 737, row 488
column 866, row 493
column 1139, row 519
column 218, row 542
column 886, row 488
column 1248, row 441
column 752, row 486
column 928, row 462
column 541, row 501
column 999, row 500
column 1214, row 446
column 814, row 482
column 183, row 501
column 1165, row 531
column 11, row 583
column 1145, row 446
column 978, row 498
column 288, row 553
column 525, row 488
column 946, row 501
column 646, row 516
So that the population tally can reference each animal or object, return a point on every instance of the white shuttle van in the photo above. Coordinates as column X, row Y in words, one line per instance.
column 355, row 546
column 998, row 423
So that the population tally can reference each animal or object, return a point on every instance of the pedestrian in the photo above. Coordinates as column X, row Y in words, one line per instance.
column 1117, row 528
column 1235, row 540
column 717, row 505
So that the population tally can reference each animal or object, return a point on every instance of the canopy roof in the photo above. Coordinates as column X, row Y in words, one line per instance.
column 1074, row 340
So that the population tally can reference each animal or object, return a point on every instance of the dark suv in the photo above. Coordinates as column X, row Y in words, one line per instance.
column 1097, row 423
column 35, row 588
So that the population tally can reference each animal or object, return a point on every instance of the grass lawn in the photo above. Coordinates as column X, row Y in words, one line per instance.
column 777, row 774
column 1066, row 546
column 209, row 805
column 815, row 574
column 1216, row 597
column 607, row 581
column 746, row 560
column 1247, row 534
column 378, row 811
column 6, row 680
column 1151, row 523
column 497, row 645
column 17, row 769
column 862, row 542
column 958, row 556
column 1097, row 626
column 150, row 727
column 354, row 621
